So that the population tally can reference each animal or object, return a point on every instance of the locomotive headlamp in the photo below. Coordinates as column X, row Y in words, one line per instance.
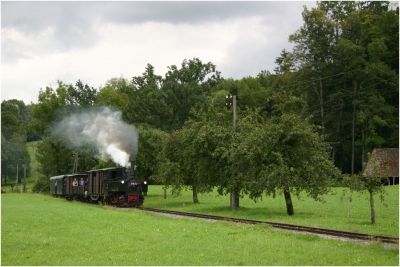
column 122, row 182
column 145, row 182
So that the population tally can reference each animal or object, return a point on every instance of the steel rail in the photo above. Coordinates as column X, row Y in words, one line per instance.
column 291, row 227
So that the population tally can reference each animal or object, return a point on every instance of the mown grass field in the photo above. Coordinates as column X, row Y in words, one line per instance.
column 42, row 230
column 332, row 213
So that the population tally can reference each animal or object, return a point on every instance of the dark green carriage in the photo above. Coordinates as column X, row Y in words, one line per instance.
column 57, row 185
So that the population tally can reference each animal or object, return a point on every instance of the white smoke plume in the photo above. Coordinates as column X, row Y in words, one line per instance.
column 102, row 128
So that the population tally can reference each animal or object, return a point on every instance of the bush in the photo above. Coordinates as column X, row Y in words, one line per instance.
column 42, row 185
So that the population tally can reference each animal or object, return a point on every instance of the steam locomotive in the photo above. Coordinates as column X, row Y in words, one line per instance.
column 112, row 186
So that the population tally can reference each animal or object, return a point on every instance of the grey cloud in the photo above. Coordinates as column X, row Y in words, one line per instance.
column 34, row 15
column 73, row 22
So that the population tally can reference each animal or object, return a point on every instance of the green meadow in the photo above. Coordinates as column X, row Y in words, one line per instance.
column 334, row 212
column 42, row 230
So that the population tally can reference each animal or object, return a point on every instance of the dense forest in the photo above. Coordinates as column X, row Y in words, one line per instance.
column 329, row 101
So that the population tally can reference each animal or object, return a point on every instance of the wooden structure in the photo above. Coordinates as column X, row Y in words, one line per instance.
column 384, row 163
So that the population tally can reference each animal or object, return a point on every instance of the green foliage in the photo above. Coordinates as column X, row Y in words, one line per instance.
column 284, row 152
column 180, row 159
column 56, row 158
column 344, row 68
column 14, row 118
column 372, row 185
column 42, row 185
column 114, row 95
column 14, row 129
column 150, row 148
column 146, row 101
column 187, row 87
column 54, row 104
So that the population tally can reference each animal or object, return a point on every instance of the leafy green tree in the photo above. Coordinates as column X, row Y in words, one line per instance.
column 314, row 52
column 114, row 95
column 146, row 102
column 343, row 68
column 148, row 159
column 372, row 185
column 53, row 155
column 81, row 94
column 15, row 159
column 187, row 87
column 285, row 154
column 179, row 166
column 56, row 158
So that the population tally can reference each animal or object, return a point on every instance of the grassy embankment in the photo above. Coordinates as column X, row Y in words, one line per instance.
column 333, row 213
column 41, row 230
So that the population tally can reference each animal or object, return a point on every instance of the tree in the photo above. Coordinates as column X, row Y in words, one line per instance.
column 114, row 95
column 149, row 152
column 80, row 95
column 56, row 158
column 146, row 101
column 15, row 119
column 343, row 59
column 187, row 87
column 314, row 51
column 54, row 104
column 182, row 164
column 362, row 183
column 284, row 154
column 53, row 154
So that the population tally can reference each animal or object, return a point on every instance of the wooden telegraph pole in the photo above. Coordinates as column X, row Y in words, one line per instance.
column 236, row 191
column 24, row 182
column 17, row 182
column 75, row 167
column 234, row 196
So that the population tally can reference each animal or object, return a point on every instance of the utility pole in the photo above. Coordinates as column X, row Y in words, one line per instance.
column 17, row 181
column 231, row 102
column 234, row 196
column 75, row 167
column 17, row 174
column 24, row 182
column 234, row 112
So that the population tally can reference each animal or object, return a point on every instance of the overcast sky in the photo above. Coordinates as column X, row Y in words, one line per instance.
column 42, row 42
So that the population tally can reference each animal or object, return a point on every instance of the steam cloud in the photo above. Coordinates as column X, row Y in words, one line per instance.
column 102, row 128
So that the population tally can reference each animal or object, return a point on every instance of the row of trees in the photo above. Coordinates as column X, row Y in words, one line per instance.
column 331, row 100
column 15, row 159
column 345, row 65
column 266, row 154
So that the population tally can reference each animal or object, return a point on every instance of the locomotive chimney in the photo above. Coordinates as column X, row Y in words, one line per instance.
column 132, row 168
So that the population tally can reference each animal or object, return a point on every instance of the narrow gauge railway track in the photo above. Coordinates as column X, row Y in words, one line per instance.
column 291, row 227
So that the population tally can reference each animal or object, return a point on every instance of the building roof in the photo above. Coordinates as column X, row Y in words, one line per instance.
column 384, row 162
column 67, row 175
column 106, row 169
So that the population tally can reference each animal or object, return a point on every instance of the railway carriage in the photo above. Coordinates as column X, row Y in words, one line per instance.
column 78, row 191
column 57, row 185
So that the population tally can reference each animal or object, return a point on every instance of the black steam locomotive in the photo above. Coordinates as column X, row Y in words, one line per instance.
column 113, row 186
